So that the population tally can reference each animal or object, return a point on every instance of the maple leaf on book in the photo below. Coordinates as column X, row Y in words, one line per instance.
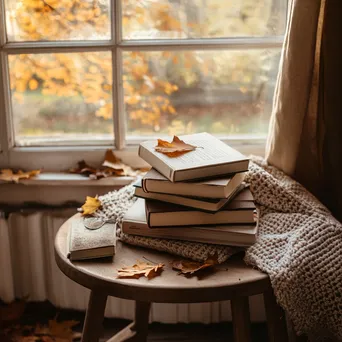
column 141, row 268
column 175, row 148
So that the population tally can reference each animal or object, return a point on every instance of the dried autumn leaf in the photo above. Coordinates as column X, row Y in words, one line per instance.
column 175, row 148
column 140, row 269
column 91, row 205
column 83, row 168
column 8, row 175
column 62, row 330
column 190, row 267
column 112, row 162
column 12, row 311
column 57, row 331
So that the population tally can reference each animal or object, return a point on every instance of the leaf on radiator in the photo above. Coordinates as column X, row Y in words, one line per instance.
column 140, row 269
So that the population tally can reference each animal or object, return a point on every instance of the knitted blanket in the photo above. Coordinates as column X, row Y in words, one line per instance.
column 299, row 246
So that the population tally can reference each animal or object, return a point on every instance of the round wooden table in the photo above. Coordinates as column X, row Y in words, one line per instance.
column 232, row 281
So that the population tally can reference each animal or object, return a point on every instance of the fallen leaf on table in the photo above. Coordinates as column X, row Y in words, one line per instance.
column 8, row 175
column 190, row 267
column 141, row 268
column 91, row 205
column 175, row 148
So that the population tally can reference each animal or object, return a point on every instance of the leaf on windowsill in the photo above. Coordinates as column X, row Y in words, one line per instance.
column 112, row 162
column 189, row 267
column 111, row 167
column 175, row 148
column 140, row 269
column 8, row 175
column 90, row 206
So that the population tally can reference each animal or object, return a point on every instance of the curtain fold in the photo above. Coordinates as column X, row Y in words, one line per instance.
column 6, row 274
column 305, row 133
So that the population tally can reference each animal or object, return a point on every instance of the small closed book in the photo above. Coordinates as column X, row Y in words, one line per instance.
column 212, row 157
column 134, row 223
column 240, row 210
column 86, row 243
column 221, row 187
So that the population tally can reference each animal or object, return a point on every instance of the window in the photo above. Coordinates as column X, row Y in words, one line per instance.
column 109, row 72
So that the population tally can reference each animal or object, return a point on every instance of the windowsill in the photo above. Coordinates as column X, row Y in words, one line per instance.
column 70, row 179
column 56, row 188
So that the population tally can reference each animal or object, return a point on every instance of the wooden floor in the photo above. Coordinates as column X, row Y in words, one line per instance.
column 158, row 332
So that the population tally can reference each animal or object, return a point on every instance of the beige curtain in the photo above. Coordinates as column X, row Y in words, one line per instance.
column 305, row 135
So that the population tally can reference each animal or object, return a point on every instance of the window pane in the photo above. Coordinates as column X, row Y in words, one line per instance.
column 168, row 19
column 32, row 20
column 61, row 98
column 183, row 92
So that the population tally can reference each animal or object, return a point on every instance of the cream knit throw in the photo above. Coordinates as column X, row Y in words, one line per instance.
column 300, row 247
column 116, row 203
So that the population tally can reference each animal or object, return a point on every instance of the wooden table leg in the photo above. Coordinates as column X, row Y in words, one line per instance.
column 92, row 328
column 241, row 320
column 142, row 314
column 276, row 318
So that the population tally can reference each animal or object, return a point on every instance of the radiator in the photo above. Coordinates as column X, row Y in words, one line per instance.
column 28, row 268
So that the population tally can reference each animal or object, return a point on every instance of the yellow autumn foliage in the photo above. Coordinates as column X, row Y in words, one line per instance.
column 88, row 74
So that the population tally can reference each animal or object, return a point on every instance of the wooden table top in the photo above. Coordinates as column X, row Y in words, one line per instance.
column 227, row 280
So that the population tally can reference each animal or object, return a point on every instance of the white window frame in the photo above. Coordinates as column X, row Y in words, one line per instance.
column 53, row 158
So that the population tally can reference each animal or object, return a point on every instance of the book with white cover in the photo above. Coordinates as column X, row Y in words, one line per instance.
column 221, row 187
column 134, row 223
column 201, row 203
column 87, row 243
column 211, row 158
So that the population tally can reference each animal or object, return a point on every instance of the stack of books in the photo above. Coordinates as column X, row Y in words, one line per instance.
column 197, row 196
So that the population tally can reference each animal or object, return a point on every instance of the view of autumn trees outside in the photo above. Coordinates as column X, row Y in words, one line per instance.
column 60, row 97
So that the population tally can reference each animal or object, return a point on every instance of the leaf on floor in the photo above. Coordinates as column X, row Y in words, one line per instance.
column 91, row 205
column 54, row 331
column 175, row 148
column 12, row 311
column 140, row 269
column 8, row 175
column 190, row 267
